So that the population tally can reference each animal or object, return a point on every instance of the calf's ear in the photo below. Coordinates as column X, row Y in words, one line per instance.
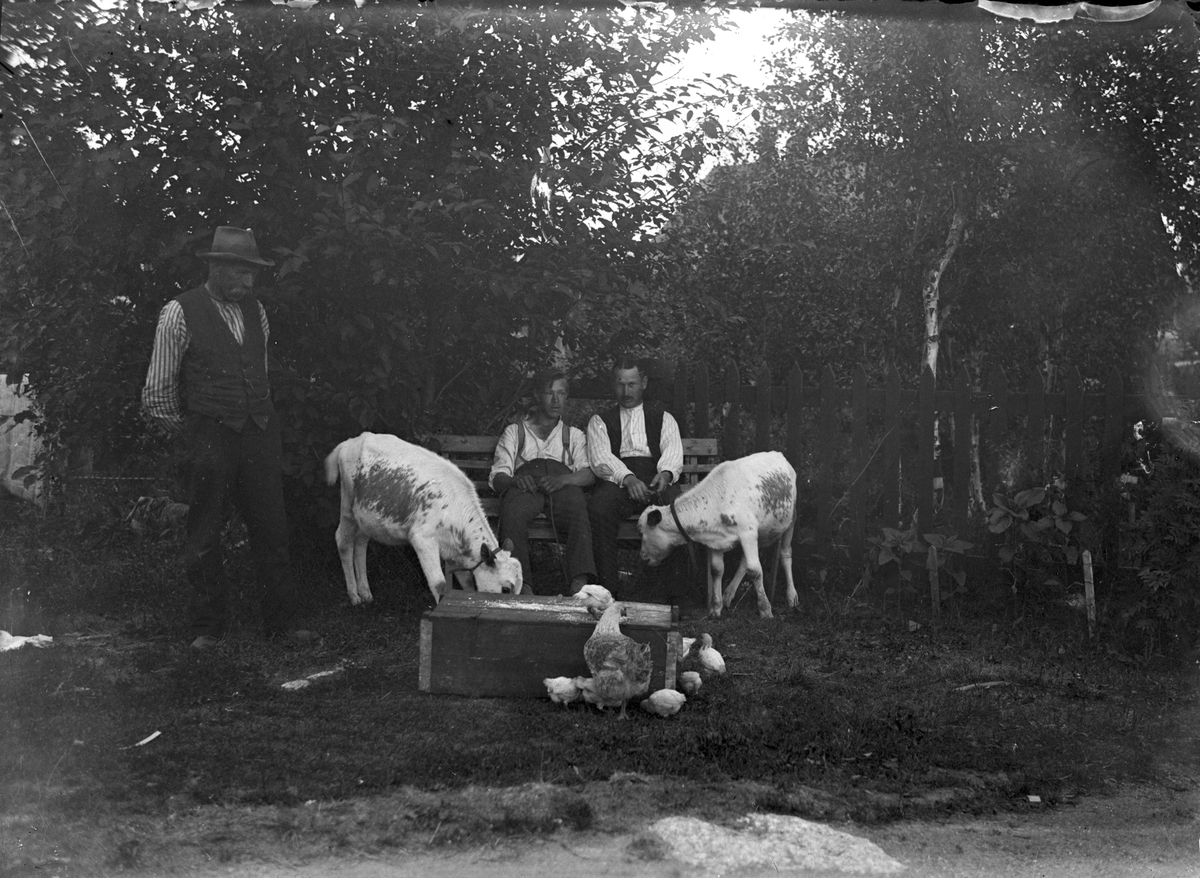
column 653, row 518
column 507, row 546
column 486, row 554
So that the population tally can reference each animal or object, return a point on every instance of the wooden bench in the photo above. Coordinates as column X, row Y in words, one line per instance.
column 474, row 454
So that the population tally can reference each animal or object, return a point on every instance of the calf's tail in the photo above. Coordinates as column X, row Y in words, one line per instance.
column 332, row 467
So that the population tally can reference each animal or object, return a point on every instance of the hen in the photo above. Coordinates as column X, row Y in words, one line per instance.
column 689, row 682
column 664, row 702
column 620, row 666
column 710, row 659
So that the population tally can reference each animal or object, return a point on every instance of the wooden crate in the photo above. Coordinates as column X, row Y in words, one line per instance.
column 505, row 645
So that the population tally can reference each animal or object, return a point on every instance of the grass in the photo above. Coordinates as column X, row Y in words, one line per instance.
column 824, row 714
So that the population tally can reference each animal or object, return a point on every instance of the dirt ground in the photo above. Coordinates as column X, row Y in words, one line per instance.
column 1142, row 830
column 1137, row 830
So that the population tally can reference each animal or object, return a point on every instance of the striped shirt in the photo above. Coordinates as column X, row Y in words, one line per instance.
column 160, row 396
column 634, row 443
column 507, row 461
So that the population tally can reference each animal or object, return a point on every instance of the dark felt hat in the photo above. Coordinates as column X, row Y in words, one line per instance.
column 231, row 244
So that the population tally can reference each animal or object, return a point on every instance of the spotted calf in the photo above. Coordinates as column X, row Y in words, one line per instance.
column 395, row 493
column 750, row 502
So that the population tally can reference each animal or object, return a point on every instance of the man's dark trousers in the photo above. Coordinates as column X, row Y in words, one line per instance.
column 225, row 466
column 568, row 513
column 608, row 506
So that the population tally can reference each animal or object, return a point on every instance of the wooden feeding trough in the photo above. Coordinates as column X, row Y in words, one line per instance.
column 505, row 645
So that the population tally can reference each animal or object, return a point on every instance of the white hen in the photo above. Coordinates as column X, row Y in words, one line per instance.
column 596, row 598
column 562, row 690
column 664, row 702
column 710, row 659
column 689, row 682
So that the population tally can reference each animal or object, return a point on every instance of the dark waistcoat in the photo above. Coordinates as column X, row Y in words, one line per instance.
column 221, row 378
column 653, row 413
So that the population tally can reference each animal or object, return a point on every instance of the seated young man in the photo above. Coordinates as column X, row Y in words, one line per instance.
column 542, row 465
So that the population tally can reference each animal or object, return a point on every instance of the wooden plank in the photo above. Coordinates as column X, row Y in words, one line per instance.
column 925, row 469
column 1073, row 423
column 700, row 425
column 762, row 406
column 1035, row 422
column 960, row 497
column 731, row 433
column 997, row 425
column 679, row 404
column 858, row 488
column 1110, row 457
column 827, row 426
column 891, row 448
column 795, row 420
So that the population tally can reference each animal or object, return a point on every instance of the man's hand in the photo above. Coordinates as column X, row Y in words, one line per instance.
column 165, row 429
column 661, row 482
column 526, row 483
column 637, row 489
column 550, row 484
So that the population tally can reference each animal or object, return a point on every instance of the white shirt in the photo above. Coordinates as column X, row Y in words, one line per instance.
column 508, row 462
column 634, row 443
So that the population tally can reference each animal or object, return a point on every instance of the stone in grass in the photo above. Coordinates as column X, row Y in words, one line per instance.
column 771, row 841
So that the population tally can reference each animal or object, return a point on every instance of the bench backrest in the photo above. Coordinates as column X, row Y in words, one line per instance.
column 474, row 454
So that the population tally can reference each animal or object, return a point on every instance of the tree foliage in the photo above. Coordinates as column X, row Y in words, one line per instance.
column 1019, row 174
column 447, row 190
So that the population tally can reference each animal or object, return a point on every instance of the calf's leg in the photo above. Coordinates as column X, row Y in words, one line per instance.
column 431, row 563
column 360, row 568
column 716, row 570
column 347, row 531
column 754, row 571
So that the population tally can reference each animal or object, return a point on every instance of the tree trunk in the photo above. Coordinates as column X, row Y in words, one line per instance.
column 931, row 287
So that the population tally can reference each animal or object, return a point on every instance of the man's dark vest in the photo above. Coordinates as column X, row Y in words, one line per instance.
column 221, row 378
column 652, row 412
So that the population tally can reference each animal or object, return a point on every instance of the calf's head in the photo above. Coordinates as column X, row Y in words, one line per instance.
column 657, row 541
column 498, row 572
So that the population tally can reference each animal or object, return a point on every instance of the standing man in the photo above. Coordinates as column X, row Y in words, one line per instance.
column 208, row 384
column 637, row 456
column 541, row 464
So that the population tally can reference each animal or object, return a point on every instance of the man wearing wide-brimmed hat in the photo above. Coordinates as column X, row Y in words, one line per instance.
column 208, row 383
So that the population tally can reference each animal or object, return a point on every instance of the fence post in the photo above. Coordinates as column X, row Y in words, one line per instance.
column 1035, row 423
column 858, row 501
column 731, row 435
column 762, row 427
column 795, row 404
column 960, row 497
column 700, row 410
column 891, row 447
column 679, row 405
column 997, row 427
column 827, row 426
column 925, row 471
column 1110, row 469
column 1073, row 424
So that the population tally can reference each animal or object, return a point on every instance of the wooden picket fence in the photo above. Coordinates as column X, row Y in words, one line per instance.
column 868, row 435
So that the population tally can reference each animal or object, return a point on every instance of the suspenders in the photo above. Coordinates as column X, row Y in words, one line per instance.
column 568, row 457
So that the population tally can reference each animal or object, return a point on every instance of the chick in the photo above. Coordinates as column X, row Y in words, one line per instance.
column 710, row 659
column 689, row 682
column 664, row 702
column 562, row 690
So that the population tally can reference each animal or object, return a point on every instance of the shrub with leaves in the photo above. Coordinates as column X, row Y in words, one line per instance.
column 1041, row 534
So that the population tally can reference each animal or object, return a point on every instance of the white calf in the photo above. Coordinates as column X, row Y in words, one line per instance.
column 395, row 492
column 748, row 501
